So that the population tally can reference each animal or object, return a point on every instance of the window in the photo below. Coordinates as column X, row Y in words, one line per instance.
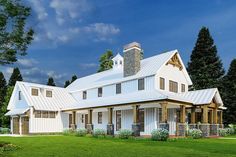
column 44, row 114
column 48, row 93
column 141, row 84
column 182, row 87
column 34, row 92
column 19, row 95
column 82, row 118
column 99, row 92
column 173, row 86
column 37, row 114
column 84, row 95
column 52, row 114
column 118, row 88
column 118, row 120
column 141, row 119
column 162, row 83
column 99, row 117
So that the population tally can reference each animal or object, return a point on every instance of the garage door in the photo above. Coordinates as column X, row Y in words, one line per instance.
column 16, row 126
column 25, row 125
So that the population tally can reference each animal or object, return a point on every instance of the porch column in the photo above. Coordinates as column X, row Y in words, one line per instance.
column 215, row 115
column 221, row 119
column 193, row 124
column 181, row 131
column 73, row 125
column 205, row 127
column 214, row 126
column 136, row 125
column 90, row 123
column 163, row 124
column 110, row 125
column 211, row 116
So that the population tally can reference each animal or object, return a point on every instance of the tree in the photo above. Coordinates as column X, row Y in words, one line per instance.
column 3, row 90
column 5, row 120
column 105, row 61
column 205, row 67
column 51, row 82
column 15, row 76
column 229, row 93
column 74, row 77
column 14, row 36
column 67, row 83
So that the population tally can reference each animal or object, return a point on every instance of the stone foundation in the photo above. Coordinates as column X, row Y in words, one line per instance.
column 90, row 128
column 205, row 128
column 73, row 126
column 164, row 126
column 214, row 129
column 181, row 131
column 110, row 129
column 221, row 126
column 136, row 129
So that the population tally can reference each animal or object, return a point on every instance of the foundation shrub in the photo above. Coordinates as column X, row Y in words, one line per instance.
column 125, row 134
column 195, row 133
column 160, row 135
column 68, row 132
column 99, row 133
column 4, row 130
column 81, row 132
column 223, row 132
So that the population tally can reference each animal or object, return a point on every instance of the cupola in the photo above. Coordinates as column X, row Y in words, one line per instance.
column 118, row 61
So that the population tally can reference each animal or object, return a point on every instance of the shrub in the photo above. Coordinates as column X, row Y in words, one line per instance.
column 233, row 127
column 68, row 132
column 125, row 133
column 4, row 130
column 223, row 132
column 230, row 131
column 99, row 133
column 160, row 135
column 195, row 133
column 4, row 146
column 80, row 132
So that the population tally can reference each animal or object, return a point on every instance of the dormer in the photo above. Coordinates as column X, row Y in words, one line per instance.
column 118, row 61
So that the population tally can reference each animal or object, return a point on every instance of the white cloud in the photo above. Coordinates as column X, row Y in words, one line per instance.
column 27, row 62
column 39, row 9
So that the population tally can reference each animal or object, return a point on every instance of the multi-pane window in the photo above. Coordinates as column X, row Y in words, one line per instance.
column 19, row 95
column 141, row 84
column 162, row 83
column 37, row 114
column 100, row 92
column 84, row 95
column 118, row 120
column 99, row 117
column 34, row 92
column 173, row 86
column 52, row 114
column 44, row 114
column 48, row 93
column 118, row 88
column 82, row 118
column 182, row 87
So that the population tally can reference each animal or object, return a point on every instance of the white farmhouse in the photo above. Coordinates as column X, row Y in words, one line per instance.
column 136, row 94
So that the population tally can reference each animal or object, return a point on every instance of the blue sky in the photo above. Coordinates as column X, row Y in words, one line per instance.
column 72, row 34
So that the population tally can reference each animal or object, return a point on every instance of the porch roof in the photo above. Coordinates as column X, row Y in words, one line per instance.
column 17, row 112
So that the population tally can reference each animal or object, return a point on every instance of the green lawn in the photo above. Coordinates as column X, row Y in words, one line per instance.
column 69, row 146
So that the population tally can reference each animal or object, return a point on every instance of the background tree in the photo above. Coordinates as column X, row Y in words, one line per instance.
column 105, row 61
column 205, row 67
column 15, row 76
column 74, row 77
column 3, row 90
column 229, row 94
column 51, row 82
column 67, row 83
column 14, row 36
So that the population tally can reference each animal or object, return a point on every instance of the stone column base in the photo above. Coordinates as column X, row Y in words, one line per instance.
column 181, row 131
column 192, row 126
column 221, row 126
column 205, row 128
column 214, row 129
column 73, row 126
column 110, row 129
column 90, row 128
column 164, row 126
column 136, row 129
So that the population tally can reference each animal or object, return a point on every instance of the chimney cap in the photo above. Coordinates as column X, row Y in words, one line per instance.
column 132, row 45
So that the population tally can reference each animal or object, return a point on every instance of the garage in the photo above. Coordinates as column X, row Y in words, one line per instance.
column 24, row 125
column 16, row 125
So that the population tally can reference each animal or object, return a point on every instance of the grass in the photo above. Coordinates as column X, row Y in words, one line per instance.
column 70, row 146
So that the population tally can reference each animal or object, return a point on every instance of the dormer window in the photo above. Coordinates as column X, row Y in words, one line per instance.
column 34, row 92
column 100, row 92
column 19, row 95
column 141, row 84
column 48, row 93
column 84, row 95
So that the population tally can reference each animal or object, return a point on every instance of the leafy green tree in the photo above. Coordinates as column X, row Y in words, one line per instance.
column 74, row 77
column 51, row 82
column 5, row 120
column 15, row 76
column 3, row 90
column 14, row 36
column 229, row 94
column 205, row 67
column 67, row 83
column 105, row 61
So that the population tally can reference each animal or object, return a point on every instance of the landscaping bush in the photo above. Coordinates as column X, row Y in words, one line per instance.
column 160, row 135
column 230, row 131
column 81, row 132
column 4, row 146
column 195, row 133
column 68, row 132
column 4, row 130
column 223, row 132
column 233, row 127
column 125, row 133
column 99, row 133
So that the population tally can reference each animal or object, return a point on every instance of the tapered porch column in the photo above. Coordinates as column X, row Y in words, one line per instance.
column 221, row 119
column 73, row 125
column 90, row 123
column 214, row 126
column 136, row 125
column 193, row 124
column 205, row 127
column 110, row 125
column 181, row 131
column 163, row 124
column 215, row 116
column 211, row 116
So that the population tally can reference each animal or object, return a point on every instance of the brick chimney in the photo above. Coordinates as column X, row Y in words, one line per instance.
column 132, row 57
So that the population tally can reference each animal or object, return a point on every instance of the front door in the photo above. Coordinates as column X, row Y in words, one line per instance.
column 16, row 125
column 25, row 125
